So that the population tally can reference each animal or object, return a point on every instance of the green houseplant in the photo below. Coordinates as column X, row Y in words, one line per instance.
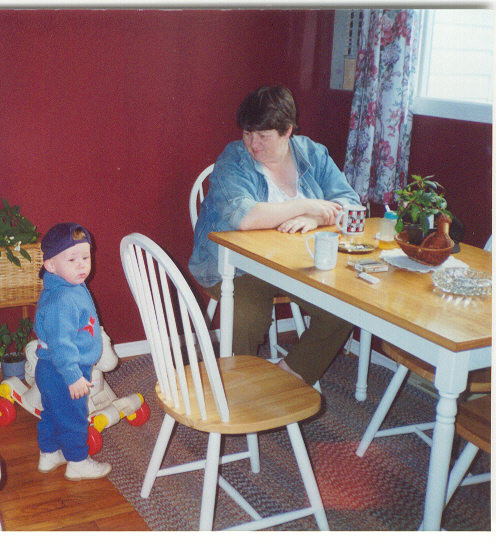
column 418, row 201
column 12, row 344
column 15, row 231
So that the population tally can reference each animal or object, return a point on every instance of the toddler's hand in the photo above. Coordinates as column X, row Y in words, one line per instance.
column 80, row 388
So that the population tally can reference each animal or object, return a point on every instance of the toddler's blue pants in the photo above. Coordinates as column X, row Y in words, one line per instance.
column 64, row 421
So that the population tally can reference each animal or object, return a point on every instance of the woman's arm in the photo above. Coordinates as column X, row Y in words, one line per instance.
column 275, row 215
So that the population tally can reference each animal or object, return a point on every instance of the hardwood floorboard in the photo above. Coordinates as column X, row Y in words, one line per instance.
column 31, row 501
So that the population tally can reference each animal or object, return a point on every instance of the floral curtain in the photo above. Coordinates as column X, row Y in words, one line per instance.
column 379, row 138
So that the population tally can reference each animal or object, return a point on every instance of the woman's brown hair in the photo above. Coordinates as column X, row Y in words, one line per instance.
column 268, row 108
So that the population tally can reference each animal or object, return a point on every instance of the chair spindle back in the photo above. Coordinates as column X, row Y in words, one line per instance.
column 164, row 300
column 198, row 194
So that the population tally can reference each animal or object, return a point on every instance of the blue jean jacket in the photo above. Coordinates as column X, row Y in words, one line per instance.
column 237, row 184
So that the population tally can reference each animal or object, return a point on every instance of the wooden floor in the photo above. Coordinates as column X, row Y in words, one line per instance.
column 31, row 501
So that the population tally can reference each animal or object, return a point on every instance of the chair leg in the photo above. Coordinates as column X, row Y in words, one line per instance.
column 210, row 482
column 349, row 342
column 252, row 440
column 157, row 455
column 307, row 475
column 382, row 409
column 273, row 335
column 460, row 468
column 458, row 472
column 298, row 319
column 212, row 307
column 363, row 364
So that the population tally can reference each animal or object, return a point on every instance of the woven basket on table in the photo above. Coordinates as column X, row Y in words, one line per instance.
column 427, row 256
column 21, row 286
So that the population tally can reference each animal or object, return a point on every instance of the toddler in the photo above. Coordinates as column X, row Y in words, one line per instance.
column 69, row 344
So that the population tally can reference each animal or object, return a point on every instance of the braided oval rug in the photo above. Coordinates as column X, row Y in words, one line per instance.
column 383, row 491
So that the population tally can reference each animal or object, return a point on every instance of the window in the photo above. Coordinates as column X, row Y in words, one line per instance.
column 347, row 25
column 455, row 76
column 455, row 72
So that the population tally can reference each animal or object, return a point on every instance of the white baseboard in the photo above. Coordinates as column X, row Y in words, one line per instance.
column 140, row 348
column 134, row 349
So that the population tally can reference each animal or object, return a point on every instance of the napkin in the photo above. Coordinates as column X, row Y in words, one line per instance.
column 398, row 258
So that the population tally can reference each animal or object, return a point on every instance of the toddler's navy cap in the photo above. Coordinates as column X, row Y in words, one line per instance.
column 59, row 238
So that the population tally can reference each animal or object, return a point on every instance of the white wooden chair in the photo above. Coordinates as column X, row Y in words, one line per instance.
column 234, row 395
column 489, row 244
column 197, row 195
column 478, row 382
column 473, row 423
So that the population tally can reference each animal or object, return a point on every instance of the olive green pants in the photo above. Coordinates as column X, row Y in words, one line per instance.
column 318, row 345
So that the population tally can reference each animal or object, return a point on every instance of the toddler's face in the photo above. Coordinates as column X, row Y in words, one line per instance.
column 72, row 264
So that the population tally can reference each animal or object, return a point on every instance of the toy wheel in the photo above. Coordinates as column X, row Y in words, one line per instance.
column 95, row 440
column 141, row 416
column 7, row 412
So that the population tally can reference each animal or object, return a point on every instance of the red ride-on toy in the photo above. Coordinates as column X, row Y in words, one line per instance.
column 104, row 407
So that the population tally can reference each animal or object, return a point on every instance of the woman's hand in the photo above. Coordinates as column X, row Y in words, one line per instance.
column 327, row 210
column 302, row 223
column 80, row 388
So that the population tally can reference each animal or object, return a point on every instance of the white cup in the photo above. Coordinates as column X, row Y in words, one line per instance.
column 351, row 220
column 326, row 249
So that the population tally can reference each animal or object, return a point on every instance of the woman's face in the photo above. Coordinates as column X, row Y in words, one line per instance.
column 267, row 146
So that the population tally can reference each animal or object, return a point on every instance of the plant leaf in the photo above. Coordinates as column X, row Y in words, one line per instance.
column 12, row 258
column 424, row 224
column 415, row 212
column 25, row 254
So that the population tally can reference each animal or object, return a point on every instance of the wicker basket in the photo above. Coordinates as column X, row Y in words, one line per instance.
column 21, row 286
column 427, row 256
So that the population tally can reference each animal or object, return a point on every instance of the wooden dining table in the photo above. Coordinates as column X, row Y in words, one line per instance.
column 452, row 333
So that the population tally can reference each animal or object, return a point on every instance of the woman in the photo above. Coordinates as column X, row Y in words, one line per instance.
column 272, row 179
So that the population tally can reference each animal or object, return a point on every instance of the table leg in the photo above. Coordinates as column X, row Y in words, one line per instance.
column 363, row 365
column 227, row 272
column 226, row 303
column 442, row 442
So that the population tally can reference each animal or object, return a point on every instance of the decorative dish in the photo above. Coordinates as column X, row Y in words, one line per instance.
column 463, row 281
column 355, row 248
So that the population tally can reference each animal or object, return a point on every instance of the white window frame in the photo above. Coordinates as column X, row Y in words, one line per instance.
column 467, row 111
column 344, row 49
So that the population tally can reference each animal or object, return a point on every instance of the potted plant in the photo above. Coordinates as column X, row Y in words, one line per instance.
column 15, row 231
column 417, row 202
column 12, row 344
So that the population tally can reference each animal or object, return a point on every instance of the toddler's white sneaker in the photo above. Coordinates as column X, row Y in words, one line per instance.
column 50, row 461
column 88, row 469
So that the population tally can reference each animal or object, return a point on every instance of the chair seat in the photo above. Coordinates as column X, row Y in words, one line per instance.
column 473, row 422
column 279, row 300
column 479, row 381
column 260, row 396
column 411, row 362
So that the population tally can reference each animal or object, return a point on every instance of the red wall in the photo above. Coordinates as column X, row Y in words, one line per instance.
column 107, row 117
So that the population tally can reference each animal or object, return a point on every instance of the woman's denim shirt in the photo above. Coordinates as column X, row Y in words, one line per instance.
column 237, row 184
